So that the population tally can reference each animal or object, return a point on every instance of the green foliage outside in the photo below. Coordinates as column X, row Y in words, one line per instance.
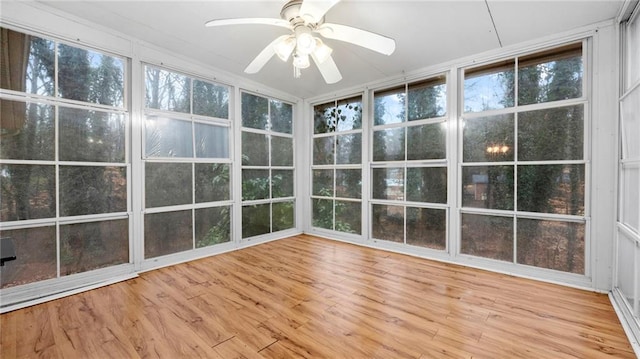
column 335, row 117
column 32, row 191
column 261, row 182
column 220, row 232
column 323, row 210
column 423, row 142
column 543, row 135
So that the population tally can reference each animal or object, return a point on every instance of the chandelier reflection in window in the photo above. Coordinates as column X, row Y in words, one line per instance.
column 498, row 149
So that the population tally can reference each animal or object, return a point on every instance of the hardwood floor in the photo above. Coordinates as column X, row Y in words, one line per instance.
column 310, row 297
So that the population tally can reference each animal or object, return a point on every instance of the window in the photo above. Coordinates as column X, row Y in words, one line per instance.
column 409, row 170
column 187, row 165
column 268, row 203
column 64, row 164
column 523, row 164
column 336, row 194
column 628, row 231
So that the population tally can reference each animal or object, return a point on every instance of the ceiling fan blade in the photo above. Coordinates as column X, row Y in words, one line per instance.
column 248, row 20
column 314, row 10
column 264, row 56
column 328, row 69
column 367, row 39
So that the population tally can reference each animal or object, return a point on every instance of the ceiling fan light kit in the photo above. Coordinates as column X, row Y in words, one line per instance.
column 285, row 47
column 322, row 51
column 301, row 61
column 303, row 19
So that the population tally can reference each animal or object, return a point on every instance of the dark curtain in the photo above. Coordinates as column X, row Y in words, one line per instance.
column 13, row 72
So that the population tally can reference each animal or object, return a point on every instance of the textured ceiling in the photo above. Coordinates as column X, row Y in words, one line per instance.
column 426, row 32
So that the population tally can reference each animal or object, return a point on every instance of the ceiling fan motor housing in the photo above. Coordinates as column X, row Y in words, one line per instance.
column 291, row 12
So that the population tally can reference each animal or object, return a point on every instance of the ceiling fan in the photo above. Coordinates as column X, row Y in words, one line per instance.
column 304, row 19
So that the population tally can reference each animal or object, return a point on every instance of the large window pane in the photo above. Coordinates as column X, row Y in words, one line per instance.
column 339, row 149
column 255, row 111
column 630, row 206
column 167, row 233
column 281, row 116
column 281, row 183
column 27, row 192
column 165, row 137
column 348, row 183
column 255, row 149
column 532, row 146
column 349, row 114
column 632, row 35
column 212, row 182
column 324, row 118
column 562, row 126
column 35, row 250
column 404, row 141
column 188, row 181
column 551, row 244
column 630, row 117
column 213, row 226
column 487, row 187
column 487, row 236
column 91, row 136
column 90, row 76
column 92, row 190
column 488, row 139
column 343, row 115
column 323, row 150
column 550, row 76
column 427, row 184
column 551, row 189
column 489, row 87
column 27, row 131
column 41, row 138
column 388, row 183
column 167, row 184
column 427, row 227
column 271, row 150
column 389, row 106
column 388, row 145
column 322, row 213
column 348, row 217
column 210, row 99
column 281, row 151
column 211, row 141
column 388, row 222
column 255, row 184
column 627, row 276
column 637, row 299
column 349, row 149
column 256, row 220
column 23, row 52
column 323, row 183
column 427, row 99
column 283, row 215
column 93, row 245
column 427, row 142
column 167, row 90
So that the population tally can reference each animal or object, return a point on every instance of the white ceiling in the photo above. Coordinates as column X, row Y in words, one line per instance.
column 427, row 32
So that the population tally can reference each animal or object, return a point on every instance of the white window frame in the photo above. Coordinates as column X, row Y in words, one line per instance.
column 584, row 100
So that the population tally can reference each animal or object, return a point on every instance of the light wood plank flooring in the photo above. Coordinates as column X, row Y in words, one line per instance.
column 310, row 297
